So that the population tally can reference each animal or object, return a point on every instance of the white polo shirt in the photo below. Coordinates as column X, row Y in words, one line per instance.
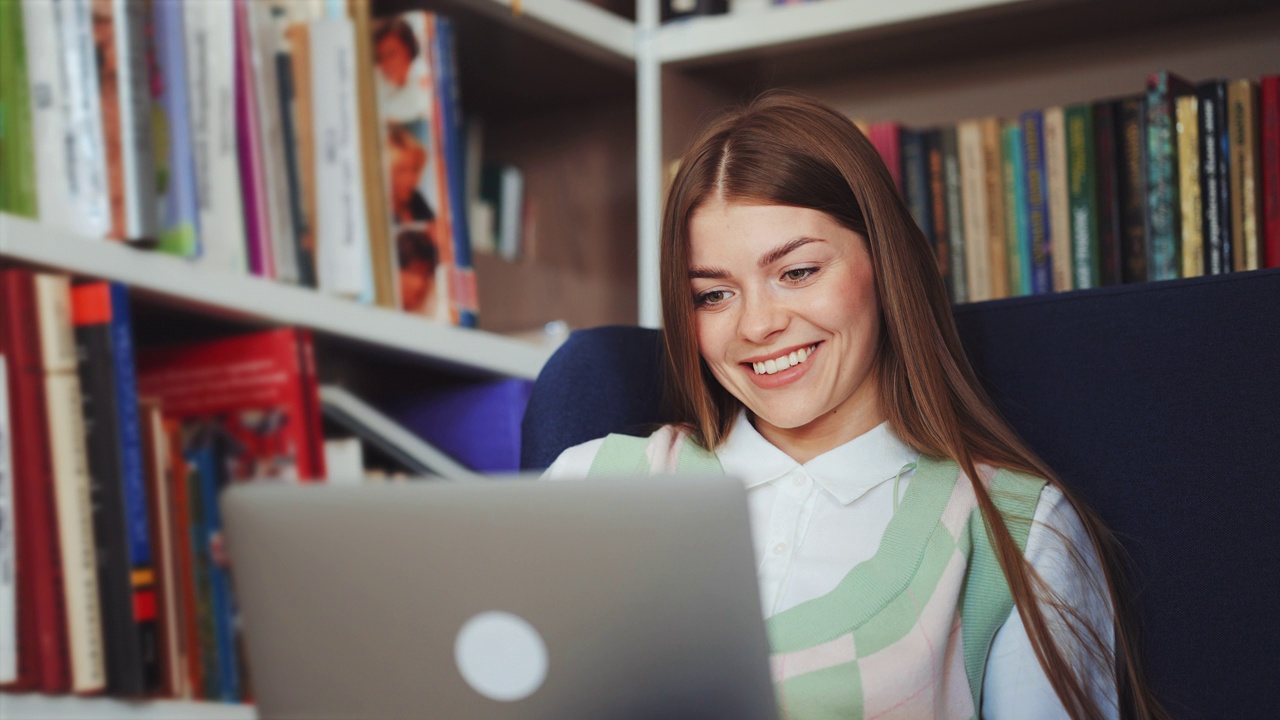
column 812, row 523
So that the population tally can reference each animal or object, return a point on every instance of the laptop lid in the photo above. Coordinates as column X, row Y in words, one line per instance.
column 505, row 599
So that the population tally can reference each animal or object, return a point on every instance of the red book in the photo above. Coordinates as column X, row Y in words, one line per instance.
column 887, row 139
column 260, row 389
column 43, row 662
column 1269, row 99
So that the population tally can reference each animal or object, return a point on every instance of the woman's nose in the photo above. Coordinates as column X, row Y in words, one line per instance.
column 762, row 317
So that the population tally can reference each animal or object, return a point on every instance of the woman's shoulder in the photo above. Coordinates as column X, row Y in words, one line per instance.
column 575, row 462
column 654, row 450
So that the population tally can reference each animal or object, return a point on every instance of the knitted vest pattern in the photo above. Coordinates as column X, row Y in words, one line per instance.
column 907, row 632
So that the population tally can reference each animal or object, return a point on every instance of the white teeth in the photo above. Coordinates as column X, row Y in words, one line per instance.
column 778, row 364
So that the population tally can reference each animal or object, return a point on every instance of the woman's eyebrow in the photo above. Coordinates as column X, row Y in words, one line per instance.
column 782, row 250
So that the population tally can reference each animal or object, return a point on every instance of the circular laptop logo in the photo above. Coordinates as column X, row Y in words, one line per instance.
column 501, row 656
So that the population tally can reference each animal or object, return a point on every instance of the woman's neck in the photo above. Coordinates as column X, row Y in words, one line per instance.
column 825, row 433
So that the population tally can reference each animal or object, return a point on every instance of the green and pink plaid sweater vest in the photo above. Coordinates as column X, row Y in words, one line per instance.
column 906, row 633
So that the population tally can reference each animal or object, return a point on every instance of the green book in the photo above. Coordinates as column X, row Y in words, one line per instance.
column 1082, row 187
column 18, row 155
column 1017, row 224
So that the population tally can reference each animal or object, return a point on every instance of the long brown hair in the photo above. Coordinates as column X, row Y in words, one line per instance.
column 787, row 149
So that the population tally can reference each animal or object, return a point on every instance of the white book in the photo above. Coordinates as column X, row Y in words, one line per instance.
column 973, row 191
column 209, row 31
column 8, row 542
column 72, row 500
column 133, row 82
column 342, row 232
column 511, row 214
column 265, row 41
column 71, row 181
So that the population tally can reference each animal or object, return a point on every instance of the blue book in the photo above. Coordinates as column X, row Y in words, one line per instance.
column 1163, row 203
column 175, row 169
column 915, row 180
column 1037, row 201
column 478, row 424
column 1016, row 226
column 207, row 455
column 464, row 281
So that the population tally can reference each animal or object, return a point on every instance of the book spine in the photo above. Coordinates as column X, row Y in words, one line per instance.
column 19, row 194
column 973, row 194
column 103, row 422
column 70, row 464
column 1132, row 149
column 373, row 175
column 1110, row 232
column 134, row 95
column 463, row 281
column 1037, row 201
column 955, row 214
column 1015, row 211
column 209, row 675
column 257, row 221
column 209, row 457
column 42, row 609
column 178, row 206
column 260, row 57
column 342, row 232
column 308, row 387
column 915, row 181
column 1270, row 164
column 181, row 511
column 1057, row 192
column 209, row 33
column 938, row 207
column 1214, row 177
column 439, row 182
column 1083, row 189
column 9, row 653
column 168, row 610
column 993, row 166
column 1187, row 116
column 1162, row 175
column 287, row 100
column 1242, row 130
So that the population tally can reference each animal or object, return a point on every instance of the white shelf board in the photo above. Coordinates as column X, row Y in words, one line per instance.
column 232, row 295
column 773, row 28
column 573, row 24
column 30, row 706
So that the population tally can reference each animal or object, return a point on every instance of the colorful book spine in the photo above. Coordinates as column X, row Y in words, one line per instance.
column 1131, row 122
column 1162, row 177
column 1242, row 134
column 283, row 60
column 207, row 453
column 462, row 284
column 938, row 207
column 1110, row 215
column 210, row 38
column 18, row 195
column 182, row 511
column 887, row 139
column 1057, row 191
column 1269, row 95
column 1037, row 201
column 126, row 571
column 70, row 465
column 1215, row 182
column 1187, row 116
column 993, row 166
column 208, row 676
column 155, row 447
column 1082, row 186
column 973, row 194
column 125, row 78
column 1017, row 226
column 955, row 215
column 257, row 220
column 179, row 206
column 915, row 181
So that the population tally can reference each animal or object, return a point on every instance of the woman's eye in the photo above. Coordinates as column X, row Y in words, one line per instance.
column 798, row 274
column 710, row 297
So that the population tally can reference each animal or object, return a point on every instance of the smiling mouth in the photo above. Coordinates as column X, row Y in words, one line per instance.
column 783, row 362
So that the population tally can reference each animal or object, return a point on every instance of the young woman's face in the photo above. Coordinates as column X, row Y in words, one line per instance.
column 787, row 318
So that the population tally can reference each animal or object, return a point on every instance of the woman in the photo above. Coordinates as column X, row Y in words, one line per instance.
column 811, row 350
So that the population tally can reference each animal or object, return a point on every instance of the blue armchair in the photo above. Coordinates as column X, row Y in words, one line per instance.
column 1159, row 403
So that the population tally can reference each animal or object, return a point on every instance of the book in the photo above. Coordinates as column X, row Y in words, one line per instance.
column 178, row 206
column 462, row 283
column 8, row 542
column 18, row 194
column 1110, row 230
column 177, row 477
column 126, row 571
column 1017, row 228
column 1163, row 216
column 956, row 239
column 1058, row 192
column 210, row 38
column 1242, row 134
column 124, row 84
column 1187, row 117
column 1082, row 189
column 69, row 170
column 1037, row 201
column 43, row 662
column 258, row 223
column 206, row 449
column 170, row 622
column 502, row 187
column 993, row 165
column 1131, row 149
column 973, row 194
column 1215, row 182
column 1269, row 100
column 938, row 207
column 915, row 181
column 70, row 465
column 886, row 136
column 373, row 176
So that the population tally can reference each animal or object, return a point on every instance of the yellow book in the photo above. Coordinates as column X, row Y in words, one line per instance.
column 1242, row 132
column 1187, row 129
column 998, row 244
column 973, row 196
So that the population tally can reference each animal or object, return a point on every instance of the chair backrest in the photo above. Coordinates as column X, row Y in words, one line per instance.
column 1158, row 403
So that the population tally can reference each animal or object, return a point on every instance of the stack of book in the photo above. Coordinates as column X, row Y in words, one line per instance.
column 298, row 140
column 111, row 462
column 1179, row 180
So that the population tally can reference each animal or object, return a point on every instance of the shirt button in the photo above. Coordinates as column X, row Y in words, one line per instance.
column 779, row 548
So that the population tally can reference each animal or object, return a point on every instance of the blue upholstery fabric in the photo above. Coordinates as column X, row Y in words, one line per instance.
column 1158, row 403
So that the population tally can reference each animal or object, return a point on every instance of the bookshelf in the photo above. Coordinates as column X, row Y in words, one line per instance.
column 28, row 706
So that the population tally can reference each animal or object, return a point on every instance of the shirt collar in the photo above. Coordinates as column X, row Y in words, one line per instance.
column 847, row 471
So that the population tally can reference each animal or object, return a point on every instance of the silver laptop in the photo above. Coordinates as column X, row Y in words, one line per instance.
column 627, row 599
